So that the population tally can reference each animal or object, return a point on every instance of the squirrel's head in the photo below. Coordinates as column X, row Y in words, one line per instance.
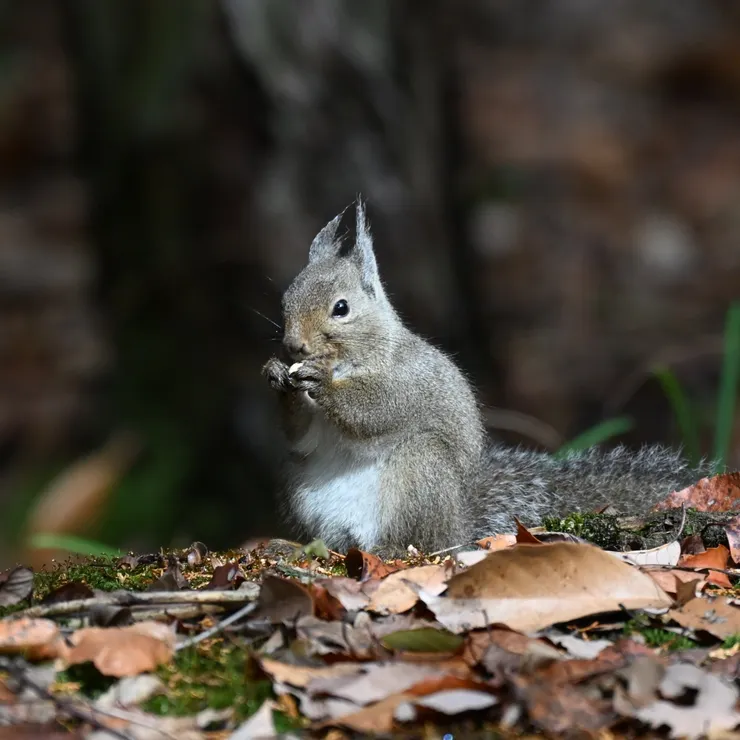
column 337, row 301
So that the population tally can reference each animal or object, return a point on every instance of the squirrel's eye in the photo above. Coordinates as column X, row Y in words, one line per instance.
column 341, row 309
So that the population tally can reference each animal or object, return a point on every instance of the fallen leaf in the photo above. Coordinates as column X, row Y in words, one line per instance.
column 394, row 594
column 301, row 676
column 259, row 725
column 668, row 554
column 16, row 586
column 716, row 616
column 470, row 557
column 426, row 640
column 376, row 719
column 449, row 702
column 717, row 493
column 331, row 637
column 326, row 606
column 364, row 565
column 524, row 536
column 714, row 557
column 30, row 636
column 131, row 690
column 577, row 647
column 692, row 545
column 671, row 580
column 478, row 644
column 352, row 595
column 377, row 681
column 497, row 542
column 121, row 651
column 530, row 587
column 712, row 710
column 173, row 579
column 226, row 576
column 732, row 530
column 561, row 708
column 68, row 592
column 282, row 600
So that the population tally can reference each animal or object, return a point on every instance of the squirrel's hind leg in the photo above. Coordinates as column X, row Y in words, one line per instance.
column 422, row 498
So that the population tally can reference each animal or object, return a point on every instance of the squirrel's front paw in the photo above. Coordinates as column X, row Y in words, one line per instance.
column 310, row 376
column 276, row 372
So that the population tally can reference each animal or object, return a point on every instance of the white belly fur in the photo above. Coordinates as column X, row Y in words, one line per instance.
column 340, row 484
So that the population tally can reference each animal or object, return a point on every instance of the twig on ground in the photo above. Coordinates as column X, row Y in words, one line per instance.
column 222, row 625
column 134, row 598
column 77, row 709
column 450, row 549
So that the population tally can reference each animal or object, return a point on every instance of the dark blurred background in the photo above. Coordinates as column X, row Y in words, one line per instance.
column 554, row 190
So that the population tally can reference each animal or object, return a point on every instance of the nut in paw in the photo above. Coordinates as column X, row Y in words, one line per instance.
column 309, row 376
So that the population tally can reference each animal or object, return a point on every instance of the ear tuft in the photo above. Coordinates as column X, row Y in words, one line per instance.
column 363, row 251
column 325, row 244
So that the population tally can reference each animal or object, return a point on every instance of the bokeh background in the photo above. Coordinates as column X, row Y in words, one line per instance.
column 554, row 190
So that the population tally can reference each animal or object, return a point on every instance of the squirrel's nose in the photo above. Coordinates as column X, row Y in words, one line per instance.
column 295, row 347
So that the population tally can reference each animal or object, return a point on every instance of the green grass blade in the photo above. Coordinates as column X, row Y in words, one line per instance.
column 596, row 435
column 75, row 545
column 683, row 411
column 727, row 396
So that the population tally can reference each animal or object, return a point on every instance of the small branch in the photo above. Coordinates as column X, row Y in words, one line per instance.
column 77, row 709
column 130, row 598
column 222, row 625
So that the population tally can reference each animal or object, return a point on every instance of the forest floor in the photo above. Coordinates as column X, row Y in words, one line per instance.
column 534, row 633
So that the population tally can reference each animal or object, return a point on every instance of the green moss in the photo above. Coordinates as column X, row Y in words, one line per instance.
column 601, row 529
column 656, row 637
column 213, row 675
column 731, row 641
column 103, row 573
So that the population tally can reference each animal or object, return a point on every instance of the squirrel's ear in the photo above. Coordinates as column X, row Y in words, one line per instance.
column 325, row 244
column 363, row 252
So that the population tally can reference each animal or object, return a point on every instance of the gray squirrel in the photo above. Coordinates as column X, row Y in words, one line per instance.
column 387, row 442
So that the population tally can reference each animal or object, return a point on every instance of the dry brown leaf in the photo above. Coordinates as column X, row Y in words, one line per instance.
column 558, row 708
column 450, row 701
column 670, row 579
column 717, row 493
column 376, row 719
column 530, row 587
column 714, row 557
column 226, row 576
column 716, row 616
column 282, row 600
column 68, row 592
column 524, row 536
column 16, row 585
column 692, row 545
column 352, row 595
column 497, row 542
column 668, row 554
column 301, row 676
column 732, row 530
column 705, row 706
column 326, row 605
column 33, row 637
column 479, row 641
column 121, row 651
column 364, row 565
column 394, row 595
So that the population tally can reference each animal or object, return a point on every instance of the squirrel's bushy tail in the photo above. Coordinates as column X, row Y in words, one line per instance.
column 531, row 485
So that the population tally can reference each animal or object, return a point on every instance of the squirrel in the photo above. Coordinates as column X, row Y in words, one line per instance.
column 387, row 442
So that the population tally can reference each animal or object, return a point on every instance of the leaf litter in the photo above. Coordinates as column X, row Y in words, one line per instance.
column 534, row 632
